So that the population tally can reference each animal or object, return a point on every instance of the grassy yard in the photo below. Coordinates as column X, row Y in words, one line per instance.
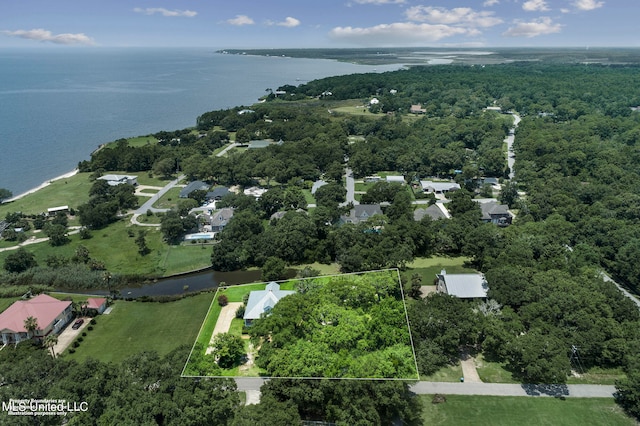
column 451, row 373
column 330, row 269
column 163, row 260
column 429, row 267
column 71, row 192
column 461, row 410
column 493, row 372
column 598, row 376
column 169, row 200
column 134, row 327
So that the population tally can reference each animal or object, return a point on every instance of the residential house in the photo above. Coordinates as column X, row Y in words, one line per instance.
column 52, row 211
column 115, row 180
column 196, row 185
column 434, row 211
column 361, row 213
column 395, row 179
column 50, row 313
column 255, row 191
column 262, row 302
column 97, row 304
column 438, row 187
column 462, row 286
column 220, row 219
column 495, row 213
column 417, row 109
column 217, row 193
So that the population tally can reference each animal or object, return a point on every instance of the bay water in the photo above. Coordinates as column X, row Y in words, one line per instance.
column 57, row 105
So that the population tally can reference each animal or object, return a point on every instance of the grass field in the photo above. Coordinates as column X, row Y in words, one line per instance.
column 71, row 192
column 598, row 376
column 169, row 200
column 134, row 327
column 428, row 267
column 493, row 372
column 163, row 260
column 462, row 410
column 451, row 373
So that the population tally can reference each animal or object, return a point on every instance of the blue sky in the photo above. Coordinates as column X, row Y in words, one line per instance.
column 319, row 23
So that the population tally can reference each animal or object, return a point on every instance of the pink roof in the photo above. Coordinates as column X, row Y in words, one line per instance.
column 44, row 308
column 95, row 302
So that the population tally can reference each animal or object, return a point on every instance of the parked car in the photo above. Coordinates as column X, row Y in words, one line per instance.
column 76, row 325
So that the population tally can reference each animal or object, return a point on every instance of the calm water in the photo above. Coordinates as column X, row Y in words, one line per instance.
column 58, row 105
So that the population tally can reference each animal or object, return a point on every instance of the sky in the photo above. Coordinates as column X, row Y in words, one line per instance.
column 245, row 24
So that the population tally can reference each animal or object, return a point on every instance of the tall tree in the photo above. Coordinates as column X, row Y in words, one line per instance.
column 31, row 325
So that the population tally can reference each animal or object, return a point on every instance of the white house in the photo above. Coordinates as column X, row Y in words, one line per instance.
column 438, row 187
column 395, row 179
column 115, row 180
column 262, row 301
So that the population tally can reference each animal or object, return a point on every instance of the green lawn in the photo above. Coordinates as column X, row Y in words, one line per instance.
column 169, row 200
column 461, row 410
column 450, row 373
column 163, row 260
column 330, row 269
column 493, row 372
column 598, row 376
column 70, row 192
column 429, row 267
column 133, row 327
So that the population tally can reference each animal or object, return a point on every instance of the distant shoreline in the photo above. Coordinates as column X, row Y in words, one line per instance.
column 42, row 185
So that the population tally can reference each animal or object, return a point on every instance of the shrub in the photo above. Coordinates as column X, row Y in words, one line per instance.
column 223, row 300
column 72, row 351
column 90, row 328
column 240, row 311
column 84, row 334
column 79, row 339
column 76, row 344
column 93, row 322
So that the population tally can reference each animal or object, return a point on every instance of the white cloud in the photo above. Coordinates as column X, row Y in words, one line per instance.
column 457, row 16
column 380, row 1
column 565, row 10
column 289, row 22
column 588, row 4
column 44, row 35
column 240, row 20
column 489, row 3
column 166, row 12
column 397, row 34
column 535, row 6
column 534, row 28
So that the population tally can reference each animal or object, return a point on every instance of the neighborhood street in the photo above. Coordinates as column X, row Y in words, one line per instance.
column 495, row 389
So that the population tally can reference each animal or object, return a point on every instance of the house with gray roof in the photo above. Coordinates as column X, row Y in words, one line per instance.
column 462, row 286
column 217, row 193
column 434, row 211
column 361, row 213
column 220, row 219
column 495, row 213
column 261, row 302
column 196, row 185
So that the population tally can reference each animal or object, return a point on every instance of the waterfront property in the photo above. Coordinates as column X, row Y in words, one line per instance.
column 462, row 286
column 97, row 304
column 50, row 314
column 262, row 301
column 115, row 180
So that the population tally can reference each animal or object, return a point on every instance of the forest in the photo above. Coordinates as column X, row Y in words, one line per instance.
column 576, row 193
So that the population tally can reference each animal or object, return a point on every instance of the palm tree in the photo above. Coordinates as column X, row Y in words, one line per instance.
column 31, row 324
column 50, row 341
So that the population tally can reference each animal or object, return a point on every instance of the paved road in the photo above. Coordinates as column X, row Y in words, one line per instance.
column 224, row 151
column 351, row 188
column 148, row 205
column 495, row 389
column 624, row 291
column 509, row 140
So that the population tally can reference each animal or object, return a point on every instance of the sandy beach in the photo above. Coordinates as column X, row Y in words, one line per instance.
column 43, row 185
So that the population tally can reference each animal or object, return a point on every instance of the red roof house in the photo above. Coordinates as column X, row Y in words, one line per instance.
column 97, row 303
column 50, row 313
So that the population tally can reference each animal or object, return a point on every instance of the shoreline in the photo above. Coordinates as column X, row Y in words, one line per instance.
column 42, row 185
